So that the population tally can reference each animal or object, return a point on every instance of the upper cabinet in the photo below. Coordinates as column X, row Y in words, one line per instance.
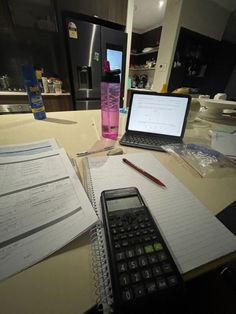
column 113, row 10
column 5, row 17
column 32, row 31
column 202, row 63
column 144, row 51
column 31, row 38
column 39, row 15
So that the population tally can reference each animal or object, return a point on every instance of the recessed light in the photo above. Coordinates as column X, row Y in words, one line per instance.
column 161, row 3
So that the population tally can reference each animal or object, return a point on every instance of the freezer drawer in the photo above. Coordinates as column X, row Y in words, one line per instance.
column 87, row 104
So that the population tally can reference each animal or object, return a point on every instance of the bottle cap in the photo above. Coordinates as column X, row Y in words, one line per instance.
column 106, row 66
column 107, row 69
column 110, row 76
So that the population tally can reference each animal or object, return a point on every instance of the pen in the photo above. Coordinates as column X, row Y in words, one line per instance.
column 94, row 151
column 143, row 172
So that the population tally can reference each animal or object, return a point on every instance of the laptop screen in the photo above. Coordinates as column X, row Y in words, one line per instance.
column 160, row 114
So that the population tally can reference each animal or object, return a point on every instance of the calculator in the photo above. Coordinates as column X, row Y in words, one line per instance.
column 142, row 269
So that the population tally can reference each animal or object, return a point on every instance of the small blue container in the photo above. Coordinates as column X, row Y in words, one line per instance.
column 33, row 91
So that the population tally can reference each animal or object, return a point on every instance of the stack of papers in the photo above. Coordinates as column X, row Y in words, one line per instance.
column 225, row 143
column 43, row 205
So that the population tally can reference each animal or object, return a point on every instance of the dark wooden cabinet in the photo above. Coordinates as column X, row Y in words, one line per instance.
column 51, row 102
column 32, row 39
column 139, row 42
column 109, row 10
column 144, row 50
column 58, row 103
column 38, row 15
column 5, row 17
column 32, row 32
column 202, row 63
column 113, row 11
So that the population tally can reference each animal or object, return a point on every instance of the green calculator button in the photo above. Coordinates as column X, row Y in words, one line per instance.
column 158, row 246
column 148, row 249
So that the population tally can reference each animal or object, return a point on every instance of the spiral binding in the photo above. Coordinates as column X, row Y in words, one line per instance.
column 100, row 265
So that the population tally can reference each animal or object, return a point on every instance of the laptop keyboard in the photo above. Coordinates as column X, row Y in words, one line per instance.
column 151, row 142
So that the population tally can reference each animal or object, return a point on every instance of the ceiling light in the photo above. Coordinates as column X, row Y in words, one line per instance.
column 161, row 3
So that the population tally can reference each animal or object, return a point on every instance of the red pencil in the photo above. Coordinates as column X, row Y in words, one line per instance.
column 143, row 172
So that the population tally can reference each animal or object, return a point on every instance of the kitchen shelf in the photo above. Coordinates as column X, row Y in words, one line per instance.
column 144, row 53
column 7, row 93
column 141, row 89
column 141, row 69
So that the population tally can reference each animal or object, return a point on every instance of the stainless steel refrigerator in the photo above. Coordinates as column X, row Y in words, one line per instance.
column 89, row 44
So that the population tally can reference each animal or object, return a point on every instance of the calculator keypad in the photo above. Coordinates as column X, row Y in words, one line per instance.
column 143, row 263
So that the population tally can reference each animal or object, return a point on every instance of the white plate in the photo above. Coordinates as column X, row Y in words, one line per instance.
column 213, row 109
column 147, row 49
column 217, row 104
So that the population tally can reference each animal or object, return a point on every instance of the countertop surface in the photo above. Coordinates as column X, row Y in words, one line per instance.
column 64, row 283
column 7, row 93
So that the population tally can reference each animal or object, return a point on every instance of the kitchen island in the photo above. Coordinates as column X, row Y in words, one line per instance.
column 63, row 283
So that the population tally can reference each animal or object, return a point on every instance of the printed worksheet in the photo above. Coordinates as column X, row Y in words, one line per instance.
column 28, row 148
column 43, row 206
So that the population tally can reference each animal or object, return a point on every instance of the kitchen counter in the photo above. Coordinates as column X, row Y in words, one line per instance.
column 7, row 93
column 52, row 101
column 141, row 89
column 64, row 283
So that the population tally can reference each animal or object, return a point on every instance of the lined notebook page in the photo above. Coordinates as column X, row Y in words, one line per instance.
column 193, row 233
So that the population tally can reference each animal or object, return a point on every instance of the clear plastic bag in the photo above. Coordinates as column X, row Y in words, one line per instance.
column 205, row 161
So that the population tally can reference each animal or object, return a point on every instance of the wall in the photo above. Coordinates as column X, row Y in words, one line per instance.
column 212, row 27
column 129, row 25
column 136, row 42
column 230, row 89
column 200, row 16
column 230, row 35
column 168, row 41
column 204, row 63
column 204, row 17
column 230, row 30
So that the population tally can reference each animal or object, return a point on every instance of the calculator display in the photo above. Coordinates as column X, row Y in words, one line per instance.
column 123, row 203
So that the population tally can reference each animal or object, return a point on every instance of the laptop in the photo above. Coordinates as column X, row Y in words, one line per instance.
column 155, row 120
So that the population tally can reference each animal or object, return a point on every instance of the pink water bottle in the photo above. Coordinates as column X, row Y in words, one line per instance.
column 110, row 102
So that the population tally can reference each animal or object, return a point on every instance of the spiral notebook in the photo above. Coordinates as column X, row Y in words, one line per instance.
column 194, row 235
